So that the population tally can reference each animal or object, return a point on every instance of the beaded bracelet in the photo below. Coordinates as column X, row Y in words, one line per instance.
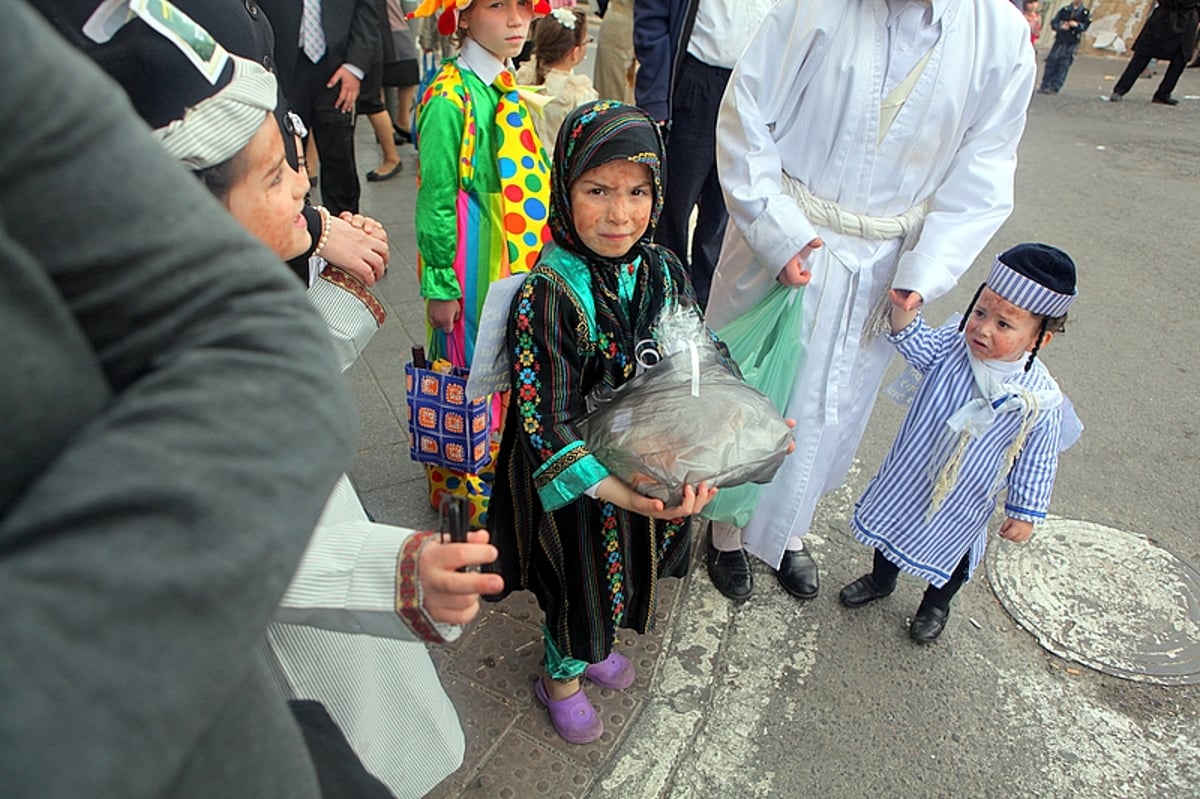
column 325, row 226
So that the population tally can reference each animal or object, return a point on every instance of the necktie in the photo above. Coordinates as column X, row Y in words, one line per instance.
column 524, row 176
column 312, row 35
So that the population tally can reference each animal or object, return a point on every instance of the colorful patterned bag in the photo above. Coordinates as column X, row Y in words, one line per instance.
column 444, row 427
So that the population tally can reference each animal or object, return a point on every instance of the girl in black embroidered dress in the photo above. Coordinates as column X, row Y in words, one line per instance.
column 583, row 541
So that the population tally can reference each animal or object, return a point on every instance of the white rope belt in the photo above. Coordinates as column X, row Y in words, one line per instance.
column 829, row 214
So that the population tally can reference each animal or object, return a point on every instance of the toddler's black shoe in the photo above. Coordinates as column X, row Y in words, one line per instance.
column 928, row 624
column 863, row 591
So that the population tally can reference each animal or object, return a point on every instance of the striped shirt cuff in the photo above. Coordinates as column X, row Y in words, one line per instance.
column 907, row 332
column 1024, row 514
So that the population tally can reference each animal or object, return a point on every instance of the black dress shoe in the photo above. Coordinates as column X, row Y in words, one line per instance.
column 863, row 591
column 1164, row 100
column 400, row 135
column 798, row 574
column 375, row 176
column 928, row 624
column 730, row 572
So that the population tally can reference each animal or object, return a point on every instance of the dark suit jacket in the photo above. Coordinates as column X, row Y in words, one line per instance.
column 660, row 32
column 351, row 34
column 173, row 420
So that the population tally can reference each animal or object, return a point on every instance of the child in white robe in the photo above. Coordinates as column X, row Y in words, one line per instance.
column 987, row 417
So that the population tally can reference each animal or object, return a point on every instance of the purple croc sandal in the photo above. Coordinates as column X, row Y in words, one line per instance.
column 574, row 718
column 615, row 672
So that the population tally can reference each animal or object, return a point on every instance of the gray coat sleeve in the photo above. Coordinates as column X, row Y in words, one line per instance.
column 174, row 421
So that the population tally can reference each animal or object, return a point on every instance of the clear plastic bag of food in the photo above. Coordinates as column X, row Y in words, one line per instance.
column 686, row 418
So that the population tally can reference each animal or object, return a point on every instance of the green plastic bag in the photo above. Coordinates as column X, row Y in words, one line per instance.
column 765, row 343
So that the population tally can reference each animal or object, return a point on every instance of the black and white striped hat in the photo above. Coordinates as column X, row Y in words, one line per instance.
column 215, row 129
column 1036, row 277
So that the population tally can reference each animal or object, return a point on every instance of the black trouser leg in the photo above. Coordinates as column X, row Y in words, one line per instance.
column 691, row 178
column 1134, row 68
column 707, row 238
column 940, row 597
column 334, row 131
column 884, row 572
column 1174, row 70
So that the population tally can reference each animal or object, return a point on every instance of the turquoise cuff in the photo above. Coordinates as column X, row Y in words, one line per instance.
column 567, row 476
column 559, row 666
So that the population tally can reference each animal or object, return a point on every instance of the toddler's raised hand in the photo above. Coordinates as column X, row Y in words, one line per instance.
column 905, row 305
column 904, row 299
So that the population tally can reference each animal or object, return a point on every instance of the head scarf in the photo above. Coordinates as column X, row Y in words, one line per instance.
column 593, row 135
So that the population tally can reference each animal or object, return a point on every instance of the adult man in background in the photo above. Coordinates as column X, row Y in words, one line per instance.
column 323, row 49
column 686, row 50
column 1169, row 33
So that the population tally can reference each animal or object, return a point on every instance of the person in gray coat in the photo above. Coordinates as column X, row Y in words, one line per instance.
column 174, row 420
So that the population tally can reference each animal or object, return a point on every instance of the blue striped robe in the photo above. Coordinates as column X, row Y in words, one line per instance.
column 893, row 513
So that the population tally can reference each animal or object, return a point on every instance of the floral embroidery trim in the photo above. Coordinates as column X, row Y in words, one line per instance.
column 565, row 462
column 583, row 339
column 408, row 593
column 344, row 280
column 615, row 567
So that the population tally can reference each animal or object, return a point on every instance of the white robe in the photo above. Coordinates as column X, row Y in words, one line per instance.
column 337, row 639
column 804, row 100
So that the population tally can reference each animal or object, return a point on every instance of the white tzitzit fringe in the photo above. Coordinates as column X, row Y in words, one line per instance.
column 947, row 477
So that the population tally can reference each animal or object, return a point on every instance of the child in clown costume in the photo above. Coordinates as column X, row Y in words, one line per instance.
column 483, row 187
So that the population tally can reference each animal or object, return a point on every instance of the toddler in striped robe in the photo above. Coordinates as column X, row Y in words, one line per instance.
column 987, row 418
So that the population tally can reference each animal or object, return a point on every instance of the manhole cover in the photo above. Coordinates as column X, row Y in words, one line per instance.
column 1108, row 599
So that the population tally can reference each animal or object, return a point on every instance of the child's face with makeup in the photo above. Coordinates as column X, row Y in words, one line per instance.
column 500, row 26
column 611, row 206
column 269, row 196
column 999, row 330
